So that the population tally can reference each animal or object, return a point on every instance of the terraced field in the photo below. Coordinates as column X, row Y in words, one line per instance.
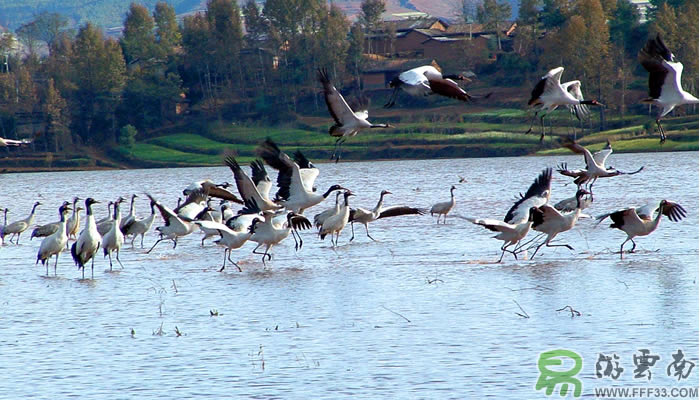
column 485, row 133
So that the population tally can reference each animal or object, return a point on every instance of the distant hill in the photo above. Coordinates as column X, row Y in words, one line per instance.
column 110, row 13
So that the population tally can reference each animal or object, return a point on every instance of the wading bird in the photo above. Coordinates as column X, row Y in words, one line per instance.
column 53, row 245
column 427, row 80
column 292, row 193
column 229, row 239
column 88, row 242
column 114, row 239
column 348, row 121
column 550, row 93
column 272, row 230
column 47, row 229
column 140, row 226
column 520, row 216
column 664, row 80
column 180, row 222
column 364, row 217
column 335, row 224
column 641, row 221
column 131, row 216
column 4, row 225
column 445, row 207
column 551, row 222
column 595, row 165
column 73, row 223
column 17, row 227
column 13, row 143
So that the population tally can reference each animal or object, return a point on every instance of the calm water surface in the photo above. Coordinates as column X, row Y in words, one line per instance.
column 422, row 313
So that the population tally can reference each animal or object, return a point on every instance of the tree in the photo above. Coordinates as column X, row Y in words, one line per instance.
column 555, row 13
column 226, row 39
column 49, row 26
column 55, row 108
column 491, row 13
column 138, row 40
column 167, row 32
column 255, row 23
column 371, row 13
column 29, row 35
column 356, row 39
column 99, row 74
column 333, row 43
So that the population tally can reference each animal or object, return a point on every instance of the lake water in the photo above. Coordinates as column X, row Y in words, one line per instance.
column 424, row 312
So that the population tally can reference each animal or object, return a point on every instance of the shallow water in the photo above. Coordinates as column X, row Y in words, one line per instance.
column 424, row 312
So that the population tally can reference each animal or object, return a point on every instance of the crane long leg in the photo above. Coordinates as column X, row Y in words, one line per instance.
column 92, row 268
column 543, row 129
column 110, row 259
column 352, row 229
column 338, row 143
column 367, row 230
column 662, row 132
column 142, row 240
column 233, row 262
column 224, row 265
column 154, row 245
column 622, row 246
column 55, row 264
column 120, row 263
column 264, row 253
column 392, row 98
column 532, row 122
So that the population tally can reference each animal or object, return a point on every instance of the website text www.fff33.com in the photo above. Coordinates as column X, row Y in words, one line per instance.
column 678, row 392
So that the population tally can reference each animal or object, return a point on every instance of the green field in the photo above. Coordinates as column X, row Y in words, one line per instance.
column 487, row 133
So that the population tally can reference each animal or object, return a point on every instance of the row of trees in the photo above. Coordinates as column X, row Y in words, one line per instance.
column 88, row 86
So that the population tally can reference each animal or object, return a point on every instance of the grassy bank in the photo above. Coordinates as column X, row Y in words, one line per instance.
column 441, row 134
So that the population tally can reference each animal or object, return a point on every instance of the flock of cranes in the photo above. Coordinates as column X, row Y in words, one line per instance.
column 267, row 220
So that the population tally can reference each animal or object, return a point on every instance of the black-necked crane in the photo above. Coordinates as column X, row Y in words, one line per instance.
column 274, row 228
column 140, row 226
column 47, row 229
column 180, row 222
column 109, row 216
column 595, row 165
column 73, row 223
column 641, row 221
column 664, row 80
column 260, row 178
column 444, row 208
column 348, row 121
column 365, row 217
column 89, row 241
column 551, row 222
column 307, row 170
column 131, row 216
column 292, row 193
column 247, row 188
column 4, row 142
column 321, row 217
column 211, row 189
column 228, row 238
column 426, row 80
column 54, row 244
column 16, row 228
column 335, row 224
column 519, row 218
column 4, row 225
column 113, row 240
column 550, row 93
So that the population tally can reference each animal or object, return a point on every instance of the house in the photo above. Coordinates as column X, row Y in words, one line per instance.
column 379, row 73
